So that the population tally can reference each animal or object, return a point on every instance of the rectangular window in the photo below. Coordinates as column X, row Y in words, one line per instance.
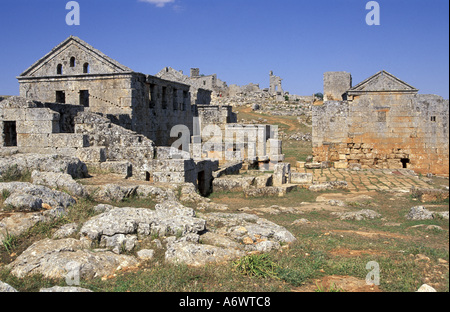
column 164, row 97
column 61, row 97
column 175, row 99
column 152, row 97
column 84, row 98
column 9, row 133
column 433, row 118
column 185, row 100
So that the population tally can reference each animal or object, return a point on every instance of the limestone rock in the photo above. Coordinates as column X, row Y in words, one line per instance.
column 422, row 213
column 333, row 185
column 239, row 226
column 156, row 193
column 358, row 215
column 24, row 202
column 54, row 199
column 419, row 213
column 52, row 257
column 48, row 163
column 65, row 289
column 59, row 180
column 112, row 192
column 199, row 254
column 232, row 183
column 146, row 254
column 168, row 218
column 426, row 288
column 18, row 223
column 65, row 231
column 6, row 288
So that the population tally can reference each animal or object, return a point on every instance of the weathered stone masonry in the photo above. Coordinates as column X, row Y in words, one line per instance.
column 383, row 123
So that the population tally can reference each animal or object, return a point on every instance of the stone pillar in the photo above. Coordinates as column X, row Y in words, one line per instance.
column 282, row 174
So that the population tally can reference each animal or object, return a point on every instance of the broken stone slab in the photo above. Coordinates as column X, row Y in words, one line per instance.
column 199, row 254
column 279, row 191
column 241, row 225
column 21, row 163
column 155, row 193
column 309, row 165
column 228, row 169
column 232, row 183
column 59, row 180
column 111, row 192
column 264, row 191
column 55, row 259
column 123, row 168
column 214, row 239
column 263, row 180
column 21, row 191
column 189, row 193
column 332, row 185
column 364, row 214
column 301, row 178
column 168, row 218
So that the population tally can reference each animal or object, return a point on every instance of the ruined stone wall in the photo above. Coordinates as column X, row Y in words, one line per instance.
column 384, row 130
column 115, row 142
column 201, row 87
column 335, row 84
column 170, row 105
column 109, row 94
column 37, row 128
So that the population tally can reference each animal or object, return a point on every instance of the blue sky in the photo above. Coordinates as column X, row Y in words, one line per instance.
column 241, row 40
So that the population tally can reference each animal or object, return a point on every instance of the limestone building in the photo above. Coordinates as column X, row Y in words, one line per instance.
column 381, row 122
column 76, row 73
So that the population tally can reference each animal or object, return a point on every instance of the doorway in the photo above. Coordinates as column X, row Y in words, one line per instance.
column 10, row 133
column 405, row 162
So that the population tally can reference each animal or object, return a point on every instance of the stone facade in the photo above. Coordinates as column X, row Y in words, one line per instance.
column 76, row 73
column 201, row 86
column 383, row 123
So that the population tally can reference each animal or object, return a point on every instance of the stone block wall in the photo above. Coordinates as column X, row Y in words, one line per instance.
column 384, row 131
column 335, row 84
column 117, row 143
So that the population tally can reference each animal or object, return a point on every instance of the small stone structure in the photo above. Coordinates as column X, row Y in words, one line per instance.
column 275, row 88
column 380, row 123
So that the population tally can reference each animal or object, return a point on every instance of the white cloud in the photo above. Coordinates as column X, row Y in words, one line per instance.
column 158, row 3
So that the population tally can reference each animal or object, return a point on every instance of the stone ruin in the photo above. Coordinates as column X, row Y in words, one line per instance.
column 77, row 101
column 381, row 122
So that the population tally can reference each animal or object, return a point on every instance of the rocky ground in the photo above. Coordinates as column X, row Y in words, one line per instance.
column 60, row 223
